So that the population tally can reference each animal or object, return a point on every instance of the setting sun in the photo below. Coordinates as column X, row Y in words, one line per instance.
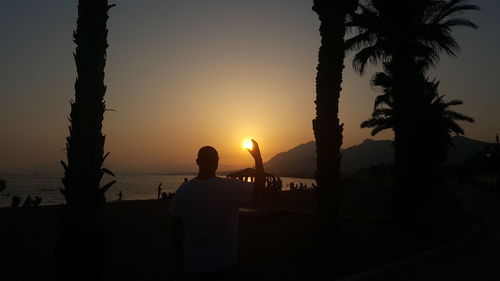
column 248, row 144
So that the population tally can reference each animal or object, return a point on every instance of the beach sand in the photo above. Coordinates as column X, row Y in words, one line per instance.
column 281, row 241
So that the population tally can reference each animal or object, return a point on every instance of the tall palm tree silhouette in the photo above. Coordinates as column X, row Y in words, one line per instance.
column 81, row 245
column 326, row 125
column 408, row 37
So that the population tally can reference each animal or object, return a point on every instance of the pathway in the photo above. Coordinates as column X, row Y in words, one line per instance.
column 478, row 259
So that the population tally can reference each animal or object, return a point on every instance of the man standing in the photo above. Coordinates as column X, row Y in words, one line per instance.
column 206, row 217
column 158, row 190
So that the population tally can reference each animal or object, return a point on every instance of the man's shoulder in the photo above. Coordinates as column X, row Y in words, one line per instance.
column 185, row 187
column 228, row 180
column 216, row 181
column 234, row 182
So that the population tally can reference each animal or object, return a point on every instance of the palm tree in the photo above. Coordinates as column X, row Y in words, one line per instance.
column 439, row 120
column 436, row 117
column 441, row 123
column 81, row 244
column 326, row 125
column 415, row 31
column 438, row 123
column 408, row 37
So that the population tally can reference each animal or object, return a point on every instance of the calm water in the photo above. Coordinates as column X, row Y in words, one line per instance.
column 134, row 187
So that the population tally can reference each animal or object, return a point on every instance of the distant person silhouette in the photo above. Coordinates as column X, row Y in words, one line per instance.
column 28, row 202
column 120, row 195
column 3, row 185
column 37, row 201
column 16, row 201
column 158, row 189
column 206, row 217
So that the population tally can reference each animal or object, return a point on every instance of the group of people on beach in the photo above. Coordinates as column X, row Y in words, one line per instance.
column 274, row 183
column 299, row 186
column 165, row 195
column 28, row 202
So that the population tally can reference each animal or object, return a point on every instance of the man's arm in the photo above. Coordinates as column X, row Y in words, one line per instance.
column 259, row 184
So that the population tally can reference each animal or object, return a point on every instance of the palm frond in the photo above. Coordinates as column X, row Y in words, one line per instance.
column 453, row 7
column 381, row 128
column 358, row 41
column 383, row 99
column 456, row 22
column 372, row 54
column 383, row 112
column 381, row 79
column 455, row 128
column 454, row 102
column 452, row 115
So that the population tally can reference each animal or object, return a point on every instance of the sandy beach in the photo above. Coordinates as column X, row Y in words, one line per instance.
column 280, row 242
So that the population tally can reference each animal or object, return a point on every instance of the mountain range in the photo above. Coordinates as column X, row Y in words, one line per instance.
column 300, row 161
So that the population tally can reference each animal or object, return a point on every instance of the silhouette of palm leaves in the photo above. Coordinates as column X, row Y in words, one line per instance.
column 438, row 116
column 422, row 28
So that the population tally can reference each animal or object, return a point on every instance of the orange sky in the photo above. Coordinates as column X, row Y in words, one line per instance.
column 181, row 76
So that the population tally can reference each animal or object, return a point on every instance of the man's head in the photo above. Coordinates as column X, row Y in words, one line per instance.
column 208, row 159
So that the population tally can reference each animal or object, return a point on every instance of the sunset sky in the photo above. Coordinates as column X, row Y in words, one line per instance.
column 184, row 74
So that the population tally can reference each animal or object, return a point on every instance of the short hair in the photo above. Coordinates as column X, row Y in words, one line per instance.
column 207, row 154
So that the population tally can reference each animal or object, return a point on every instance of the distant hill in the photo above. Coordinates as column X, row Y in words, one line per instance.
column 464, row 148
column 300, row 161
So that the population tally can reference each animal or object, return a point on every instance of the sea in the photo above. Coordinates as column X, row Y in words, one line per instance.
column 133, row 186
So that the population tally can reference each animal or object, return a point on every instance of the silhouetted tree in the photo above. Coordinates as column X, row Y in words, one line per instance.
column 408, row 37
column 326, row 125
column 82, row 243
column 440, row 123
column 413, row 31
column 439, row 120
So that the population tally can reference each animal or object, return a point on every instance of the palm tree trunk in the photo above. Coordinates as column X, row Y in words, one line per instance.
column 326, row 125
column 81, row 244
column 409, row 136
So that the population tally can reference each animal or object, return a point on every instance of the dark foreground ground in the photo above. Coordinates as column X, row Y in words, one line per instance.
column 281, row 244
column 478, row 259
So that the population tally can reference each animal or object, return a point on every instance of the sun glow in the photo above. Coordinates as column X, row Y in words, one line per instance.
column 248, row 144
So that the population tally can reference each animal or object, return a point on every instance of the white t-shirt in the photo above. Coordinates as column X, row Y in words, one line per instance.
column 209, row 211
